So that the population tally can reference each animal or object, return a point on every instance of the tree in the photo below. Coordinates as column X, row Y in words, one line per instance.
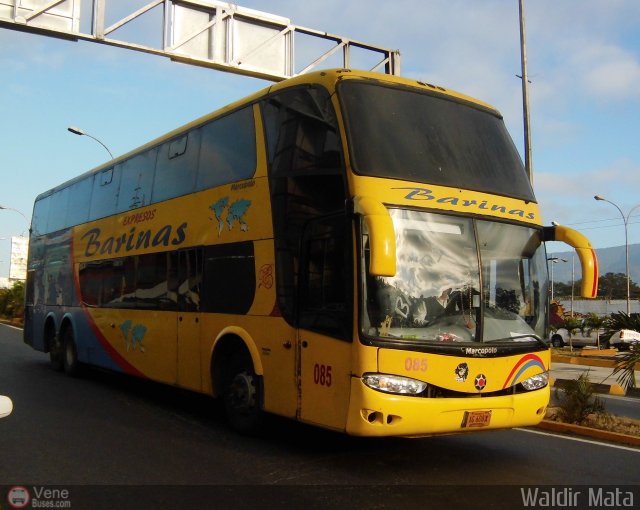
column 610, row 286
column 614, row 286
column 562, row 290
column 12, row 301
column 571, row 324
column 593, row 321
column 625, row 369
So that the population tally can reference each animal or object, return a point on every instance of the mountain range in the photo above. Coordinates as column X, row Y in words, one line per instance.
column 610, row 260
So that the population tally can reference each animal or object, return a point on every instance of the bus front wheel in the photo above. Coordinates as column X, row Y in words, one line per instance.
column 242, row 396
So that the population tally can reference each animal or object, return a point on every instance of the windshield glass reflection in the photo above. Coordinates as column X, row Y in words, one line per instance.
column 449, row 289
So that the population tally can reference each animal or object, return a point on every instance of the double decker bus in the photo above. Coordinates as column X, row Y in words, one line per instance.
column 356, row 251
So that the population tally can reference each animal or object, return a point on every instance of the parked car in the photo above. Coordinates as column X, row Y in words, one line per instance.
column 6, row 406
column 560, row 338
column 624, row 338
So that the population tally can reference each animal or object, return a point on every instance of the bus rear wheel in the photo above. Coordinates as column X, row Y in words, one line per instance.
column 70, row 353
column 56, row 353
column 242, row 397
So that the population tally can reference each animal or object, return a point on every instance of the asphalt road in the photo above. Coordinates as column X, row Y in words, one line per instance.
column 129, row 443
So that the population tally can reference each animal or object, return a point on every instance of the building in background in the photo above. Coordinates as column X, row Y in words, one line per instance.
column 17, row 262
column 601, row 307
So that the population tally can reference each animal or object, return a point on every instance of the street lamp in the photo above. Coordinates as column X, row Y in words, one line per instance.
column 625, row 220
column 554, row 260
column 5, row 208
column 573, row 270
column 528, row 164
column 80, row 132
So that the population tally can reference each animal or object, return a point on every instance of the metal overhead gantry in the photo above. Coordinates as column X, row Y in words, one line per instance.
column 207, row 33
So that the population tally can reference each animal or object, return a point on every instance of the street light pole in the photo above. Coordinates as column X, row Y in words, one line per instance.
column 5, row 208
column 554, row 260
column 625, row 220
column 80, row 132
column 573, row 279
column 573, row 271
column 525, row 95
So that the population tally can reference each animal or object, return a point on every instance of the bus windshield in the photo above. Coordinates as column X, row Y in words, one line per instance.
column 430, row 138
column 457, row 280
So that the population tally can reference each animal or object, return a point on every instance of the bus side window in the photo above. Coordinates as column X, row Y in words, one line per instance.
column 40, row 216
column 188, row 280
column 228, row 149
column 229, row 278
column 176, row 167
column 104, row 196
column 306, row 176
column 58, row 210
column 325, row 279
column 137, row 180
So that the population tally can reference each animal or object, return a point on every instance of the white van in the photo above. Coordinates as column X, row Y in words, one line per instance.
column 624, row 338
column 560, row 338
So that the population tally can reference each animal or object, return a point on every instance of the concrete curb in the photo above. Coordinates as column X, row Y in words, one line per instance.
column 582, row 360
column 604, row 435
column 611, row 389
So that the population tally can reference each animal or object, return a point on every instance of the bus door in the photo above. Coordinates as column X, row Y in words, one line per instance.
column 186, row 280
column 324, row 317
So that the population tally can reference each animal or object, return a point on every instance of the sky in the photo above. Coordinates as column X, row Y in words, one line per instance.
column 583, row 64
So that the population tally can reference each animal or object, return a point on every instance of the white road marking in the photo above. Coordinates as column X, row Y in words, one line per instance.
column 580, row 440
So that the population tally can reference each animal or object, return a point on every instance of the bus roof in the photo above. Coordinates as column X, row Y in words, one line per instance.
column 328, row 78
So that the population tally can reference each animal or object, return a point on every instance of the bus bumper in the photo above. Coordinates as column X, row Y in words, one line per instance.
column 373, row 413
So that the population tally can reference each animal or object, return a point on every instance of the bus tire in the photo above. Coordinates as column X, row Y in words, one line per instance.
column 55, row 352
column 70, row 353
column 242, row 395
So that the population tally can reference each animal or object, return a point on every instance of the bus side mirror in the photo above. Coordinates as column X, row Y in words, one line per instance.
column 586, row 254
column 382, row 238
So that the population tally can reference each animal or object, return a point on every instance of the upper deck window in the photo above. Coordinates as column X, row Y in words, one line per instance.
column 407, row 134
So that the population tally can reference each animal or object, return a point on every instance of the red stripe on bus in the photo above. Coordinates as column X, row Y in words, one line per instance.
column 594, row 288
column 115, row 356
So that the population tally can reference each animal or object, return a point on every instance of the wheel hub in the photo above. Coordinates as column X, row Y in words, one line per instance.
column 242, row 392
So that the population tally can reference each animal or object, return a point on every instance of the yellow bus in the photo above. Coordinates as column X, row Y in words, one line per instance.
column 353, row 250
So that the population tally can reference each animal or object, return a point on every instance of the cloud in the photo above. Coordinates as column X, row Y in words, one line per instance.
column 568, row 199
column 613, row 73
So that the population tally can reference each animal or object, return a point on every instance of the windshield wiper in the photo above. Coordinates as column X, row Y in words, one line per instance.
column 517, row 338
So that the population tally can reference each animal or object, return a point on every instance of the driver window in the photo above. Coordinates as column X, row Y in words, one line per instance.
column 325, row 280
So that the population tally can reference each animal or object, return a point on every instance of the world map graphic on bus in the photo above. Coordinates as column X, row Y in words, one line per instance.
column 235, row 213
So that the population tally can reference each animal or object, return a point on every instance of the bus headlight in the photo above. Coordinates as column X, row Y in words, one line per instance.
column 536, row 382
column 394, row 384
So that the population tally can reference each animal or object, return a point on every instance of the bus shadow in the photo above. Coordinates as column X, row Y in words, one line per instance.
column 343, row 453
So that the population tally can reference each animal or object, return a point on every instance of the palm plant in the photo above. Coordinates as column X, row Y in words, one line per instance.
column 577, row 400
column 571, row 324
column 593, row 322
column 625, row 369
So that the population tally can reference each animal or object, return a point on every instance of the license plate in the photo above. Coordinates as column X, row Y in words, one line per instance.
column 476, row 419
